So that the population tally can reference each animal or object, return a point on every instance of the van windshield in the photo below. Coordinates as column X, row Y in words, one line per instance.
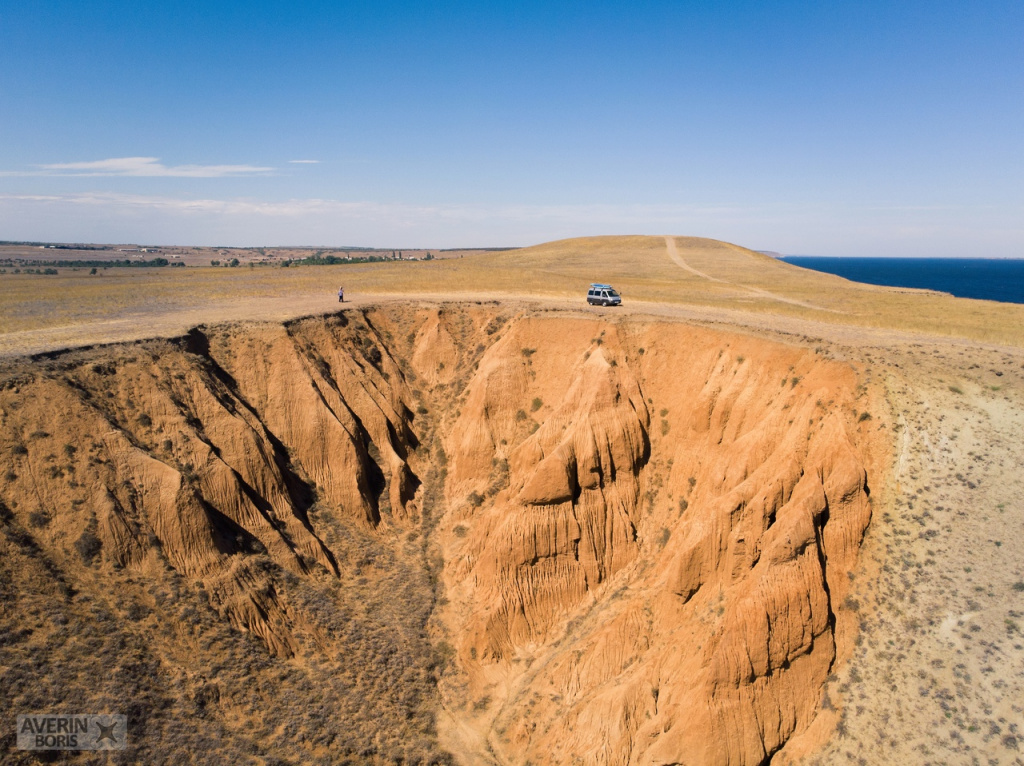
column 612, row 293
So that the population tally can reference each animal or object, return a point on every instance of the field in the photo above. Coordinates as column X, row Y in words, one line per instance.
column 39, row 312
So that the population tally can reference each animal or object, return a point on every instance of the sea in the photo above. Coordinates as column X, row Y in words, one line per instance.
column 992, row 279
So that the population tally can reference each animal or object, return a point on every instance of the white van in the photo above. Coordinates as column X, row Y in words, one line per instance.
column 603, row 295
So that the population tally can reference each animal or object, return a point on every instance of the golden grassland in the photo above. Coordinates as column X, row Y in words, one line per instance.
column 714, row 274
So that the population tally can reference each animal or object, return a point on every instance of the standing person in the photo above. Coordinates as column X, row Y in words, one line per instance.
column 341, row 295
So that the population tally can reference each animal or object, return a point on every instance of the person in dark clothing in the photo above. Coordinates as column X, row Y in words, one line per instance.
column 341, row 295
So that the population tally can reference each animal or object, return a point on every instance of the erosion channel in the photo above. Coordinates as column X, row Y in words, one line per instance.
column 422, row 533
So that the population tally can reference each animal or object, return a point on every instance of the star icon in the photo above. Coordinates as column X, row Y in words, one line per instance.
column 106, row 732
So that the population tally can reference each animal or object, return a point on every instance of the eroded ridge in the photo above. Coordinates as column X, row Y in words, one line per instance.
column 224, row 523
column 657, row 578
column 582, row 539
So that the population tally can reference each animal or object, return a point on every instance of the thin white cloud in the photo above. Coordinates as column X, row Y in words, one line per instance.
column 396, row 213
column 993, row 231
column 139, row 167
column 304, row 162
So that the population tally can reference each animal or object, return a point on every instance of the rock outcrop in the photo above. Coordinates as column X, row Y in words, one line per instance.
column 639, row 534
column 657, row 579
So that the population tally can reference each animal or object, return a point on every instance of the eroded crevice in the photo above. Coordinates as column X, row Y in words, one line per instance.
column 581, row 552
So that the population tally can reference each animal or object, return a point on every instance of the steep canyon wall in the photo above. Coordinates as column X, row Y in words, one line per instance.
column 579, row 539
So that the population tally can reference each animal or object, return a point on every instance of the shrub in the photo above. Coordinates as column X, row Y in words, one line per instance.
column 520, row 416
column 483, row 703
column 536, row 404
column 864, row 416
column 38, row 519
column 88, row 546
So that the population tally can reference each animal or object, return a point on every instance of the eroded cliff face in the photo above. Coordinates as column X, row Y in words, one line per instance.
column 658, row 578
column 224, row 525
column 582, row 540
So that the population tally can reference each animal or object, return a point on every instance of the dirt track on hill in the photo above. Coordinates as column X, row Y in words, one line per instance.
column 673, row 252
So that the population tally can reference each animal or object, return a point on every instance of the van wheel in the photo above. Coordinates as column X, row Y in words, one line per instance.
column 604, row 303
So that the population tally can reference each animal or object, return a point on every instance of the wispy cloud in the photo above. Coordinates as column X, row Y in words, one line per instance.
column 107, row 216
column 994, row 231
column 397, row 213
column 304, row 162
column 139, row 167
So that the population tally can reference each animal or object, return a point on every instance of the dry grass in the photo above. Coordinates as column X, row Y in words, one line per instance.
column 639, row 266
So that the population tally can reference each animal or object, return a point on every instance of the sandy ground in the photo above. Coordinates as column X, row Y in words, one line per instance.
column 938, row 673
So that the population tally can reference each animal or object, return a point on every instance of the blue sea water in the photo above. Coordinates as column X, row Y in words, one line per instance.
column 990, row 279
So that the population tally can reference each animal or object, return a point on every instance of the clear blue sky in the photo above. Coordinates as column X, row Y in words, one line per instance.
column 868, row 128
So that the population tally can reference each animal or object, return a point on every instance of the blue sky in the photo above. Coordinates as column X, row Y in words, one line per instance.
column 869, row 128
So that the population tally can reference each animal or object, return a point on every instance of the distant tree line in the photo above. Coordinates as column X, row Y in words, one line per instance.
column 153, row 262
column 333, row 260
